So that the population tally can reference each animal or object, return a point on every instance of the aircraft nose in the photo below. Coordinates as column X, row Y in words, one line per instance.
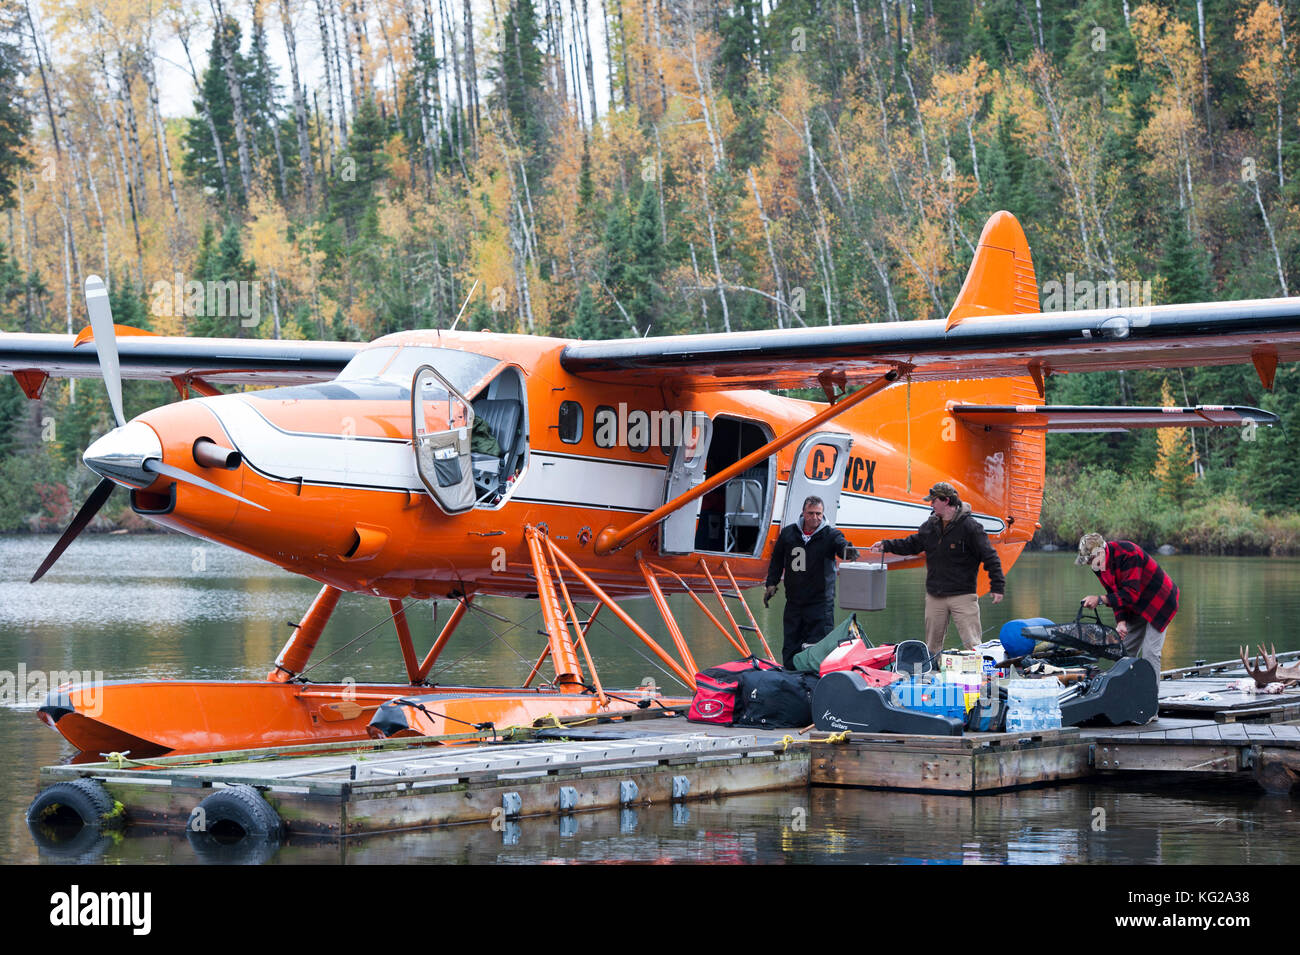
column 121, row 454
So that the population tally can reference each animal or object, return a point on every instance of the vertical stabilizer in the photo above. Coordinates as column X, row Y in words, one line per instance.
column 1001, row 278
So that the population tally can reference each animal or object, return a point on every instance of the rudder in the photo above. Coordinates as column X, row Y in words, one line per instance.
column 1001, row 279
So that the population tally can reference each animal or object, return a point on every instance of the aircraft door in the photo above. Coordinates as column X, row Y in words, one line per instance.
column 818, row 471
column 442, row 420
column 677, row 531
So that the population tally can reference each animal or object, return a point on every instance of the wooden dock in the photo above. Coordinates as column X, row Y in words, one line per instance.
column 1270, row 752
column 395, row 785
column 971, row 764
column 336, row 790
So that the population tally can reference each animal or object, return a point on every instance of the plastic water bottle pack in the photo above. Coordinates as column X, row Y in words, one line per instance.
column 1033, row 705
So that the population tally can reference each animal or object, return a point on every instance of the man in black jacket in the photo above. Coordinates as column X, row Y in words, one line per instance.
column 805, row 554
column 954, row 544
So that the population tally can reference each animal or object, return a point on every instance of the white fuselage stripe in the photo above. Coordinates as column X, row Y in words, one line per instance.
column 550, row 478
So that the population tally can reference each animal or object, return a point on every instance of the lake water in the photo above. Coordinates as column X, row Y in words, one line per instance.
column 154, row 607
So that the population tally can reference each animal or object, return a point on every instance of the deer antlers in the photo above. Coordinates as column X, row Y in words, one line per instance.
column 1267, row 670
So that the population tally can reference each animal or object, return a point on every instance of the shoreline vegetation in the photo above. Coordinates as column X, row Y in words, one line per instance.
column 1208, row 519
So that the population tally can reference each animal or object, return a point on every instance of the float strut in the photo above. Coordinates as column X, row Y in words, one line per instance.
column 448, row 629
column 295, row 653
column 568, row 674
column 404, row 640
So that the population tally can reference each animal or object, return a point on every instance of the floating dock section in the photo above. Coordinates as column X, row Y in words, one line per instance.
column 341, row 790
column 410, row 784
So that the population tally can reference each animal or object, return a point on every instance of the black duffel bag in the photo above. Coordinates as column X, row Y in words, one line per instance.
column 775, row 699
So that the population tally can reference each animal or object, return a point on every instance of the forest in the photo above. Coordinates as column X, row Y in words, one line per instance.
column 610, row 168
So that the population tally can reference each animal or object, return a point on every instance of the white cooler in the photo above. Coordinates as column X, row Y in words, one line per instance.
column 861, row 586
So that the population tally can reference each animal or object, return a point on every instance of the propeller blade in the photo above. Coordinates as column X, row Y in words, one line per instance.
column 101, row 322
column 84, row 516
column 177, row 474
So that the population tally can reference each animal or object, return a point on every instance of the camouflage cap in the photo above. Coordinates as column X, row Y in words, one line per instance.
column 1088, row 545
column 945, row 490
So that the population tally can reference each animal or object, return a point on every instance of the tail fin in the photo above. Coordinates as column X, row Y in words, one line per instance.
column 1001, row 279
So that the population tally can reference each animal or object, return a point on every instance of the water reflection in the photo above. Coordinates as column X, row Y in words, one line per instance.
column 1155, row 824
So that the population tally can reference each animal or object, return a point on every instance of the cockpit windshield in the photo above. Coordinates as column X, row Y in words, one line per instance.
column 385, row 373
column 398, row 363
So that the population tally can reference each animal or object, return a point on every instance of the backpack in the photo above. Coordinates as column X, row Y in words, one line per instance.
column 771, row 699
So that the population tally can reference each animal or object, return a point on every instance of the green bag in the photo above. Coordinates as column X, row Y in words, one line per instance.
column 809, row 659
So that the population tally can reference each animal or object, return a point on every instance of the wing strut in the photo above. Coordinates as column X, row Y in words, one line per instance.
column 610, row 540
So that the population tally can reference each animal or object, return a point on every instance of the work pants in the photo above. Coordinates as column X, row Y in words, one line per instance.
column 1146, row 642
column 805, row 624
column 963, row 609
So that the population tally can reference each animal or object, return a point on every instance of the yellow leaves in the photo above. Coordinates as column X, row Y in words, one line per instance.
column 625, row 145
column 1162, row 136
column 399, row 160
column 1173, row 453
column 1266, row 65
column 927, row 249
column 957, row 97
column 268, row 244
column 1015, row 97
column 1166, row 45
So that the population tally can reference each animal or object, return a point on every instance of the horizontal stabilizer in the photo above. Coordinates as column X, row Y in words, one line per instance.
column 1106, row 418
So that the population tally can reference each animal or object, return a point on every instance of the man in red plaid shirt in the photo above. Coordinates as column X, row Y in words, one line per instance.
column 1142, row 595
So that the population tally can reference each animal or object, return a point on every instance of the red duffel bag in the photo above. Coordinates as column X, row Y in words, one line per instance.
column 717, row 690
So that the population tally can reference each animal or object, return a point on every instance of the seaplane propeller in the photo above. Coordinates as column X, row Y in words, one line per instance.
column 130, row 454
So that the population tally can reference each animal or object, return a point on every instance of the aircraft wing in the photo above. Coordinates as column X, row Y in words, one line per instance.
column 248, row 361
column 1263, row 331
column 1107, row 418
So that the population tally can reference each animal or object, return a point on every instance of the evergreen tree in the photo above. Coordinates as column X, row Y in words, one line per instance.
column 1269, row 461
column 615, row 277
column 12, row 288
column 586, row 323
column 739, row 61
column 1182, row 264
column 200, row 159
column 586, row 186
column 12, row 402
column 128, row 307
column 520, row 72
column 646, row 261
column 360, row 171
column 15, row 118
column 220, row 261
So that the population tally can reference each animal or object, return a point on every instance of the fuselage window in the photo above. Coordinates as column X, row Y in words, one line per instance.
column 620, row 428
column 605, row 427
column 638, row 431
column 570, row 422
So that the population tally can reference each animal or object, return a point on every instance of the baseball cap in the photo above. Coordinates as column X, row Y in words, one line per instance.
column 1087, row 544
column 945, row 490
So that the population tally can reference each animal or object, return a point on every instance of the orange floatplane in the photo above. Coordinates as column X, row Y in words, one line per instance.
column 451, row 465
